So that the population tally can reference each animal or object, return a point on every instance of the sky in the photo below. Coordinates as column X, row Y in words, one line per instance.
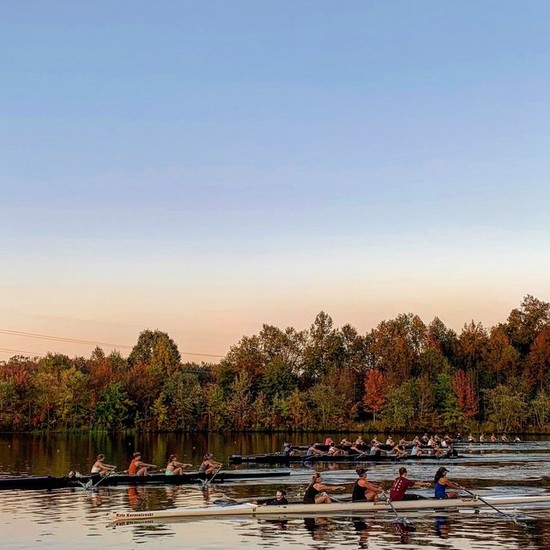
column 203, row 168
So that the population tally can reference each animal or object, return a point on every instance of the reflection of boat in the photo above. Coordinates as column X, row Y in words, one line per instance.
column 280, row 458
column 334, row 508
column 50, row 482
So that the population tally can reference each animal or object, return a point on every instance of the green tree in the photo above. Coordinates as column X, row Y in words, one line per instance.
column 112, row 409
column 239, row 405
column 157, row 350
column 540, row 410
column 323, row 351
column 180, row 404
column 399, row 410
column 507, row 407
column 446, row 403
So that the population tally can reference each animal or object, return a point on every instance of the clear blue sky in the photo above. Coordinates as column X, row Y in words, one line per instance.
column 204, row 167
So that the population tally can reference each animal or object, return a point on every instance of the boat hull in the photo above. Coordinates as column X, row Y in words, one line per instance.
column 50, row 482
column 281, row 459
column 249, row 509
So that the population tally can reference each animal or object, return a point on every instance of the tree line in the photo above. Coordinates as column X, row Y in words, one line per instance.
column 403, row 374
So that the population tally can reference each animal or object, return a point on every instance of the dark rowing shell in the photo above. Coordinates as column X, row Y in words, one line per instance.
column 358, row 457
column 50, row 482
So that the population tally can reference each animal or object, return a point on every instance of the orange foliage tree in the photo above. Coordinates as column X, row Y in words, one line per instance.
column 374, row 397
column 465, row 393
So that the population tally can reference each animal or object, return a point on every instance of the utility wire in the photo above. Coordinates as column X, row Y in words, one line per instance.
column 88, row 342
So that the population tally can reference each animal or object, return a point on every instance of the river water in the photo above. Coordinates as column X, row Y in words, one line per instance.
column 69, row 518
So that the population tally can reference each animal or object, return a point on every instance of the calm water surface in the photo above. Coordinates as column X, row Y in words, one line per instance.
column 76, row 518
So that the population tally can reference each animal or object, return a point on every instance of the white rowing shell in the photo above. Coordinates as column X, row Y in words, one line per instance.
column 249, row 509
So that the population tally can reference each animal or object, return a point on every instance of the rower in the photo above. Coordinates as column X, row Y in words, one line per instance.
column 365, row 490
column 313, row 450
column 402, row 483
column 175, row 468
column 504, row 438
column 209, row 465
column 416, row 450
column 137, row 467
column 333, row 450
column 493, row 438
column 287, row 449
column 345, row 442
column 100, row 468
column 329, row 441
column 359, row 446
column 482, row 438
column 442, row 483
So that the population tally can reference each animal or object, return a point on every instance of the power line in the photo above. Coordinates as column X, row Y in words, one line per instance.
column 34, row 353
column 86, row 342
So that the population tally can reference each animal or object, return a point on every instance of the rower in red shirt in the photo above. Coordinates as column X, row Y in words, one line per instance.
column 402, row 483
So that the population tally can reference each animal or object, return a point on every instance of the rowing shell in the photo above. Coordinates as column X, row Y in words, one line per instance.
column 250, row 509
column 50, row 482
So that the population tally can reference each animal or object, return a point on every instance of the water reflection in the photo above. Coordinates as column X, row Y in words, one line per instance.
column 442, row 527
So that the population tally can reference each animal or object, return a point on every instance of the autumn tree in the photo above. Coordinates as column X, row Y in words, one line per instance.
column 463, row 388
column 500, row 357
column 537, row 363
column 374, row 397
column 397, row 345
column 526, row 322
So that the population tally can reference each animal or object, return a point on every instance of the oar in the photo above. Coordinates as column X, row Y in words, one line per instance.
column 402, row 521
column 92, row 486
column 491, row 506
column 207, row 482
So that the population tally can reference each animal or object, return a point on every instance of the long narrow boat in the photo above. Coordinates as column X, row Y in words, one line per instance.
column 250, row 509
column 280, row 458
column 50, row 482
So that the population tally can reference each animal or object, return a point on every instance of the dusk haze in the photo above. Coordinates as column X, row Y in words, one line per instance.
column 205, row 168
